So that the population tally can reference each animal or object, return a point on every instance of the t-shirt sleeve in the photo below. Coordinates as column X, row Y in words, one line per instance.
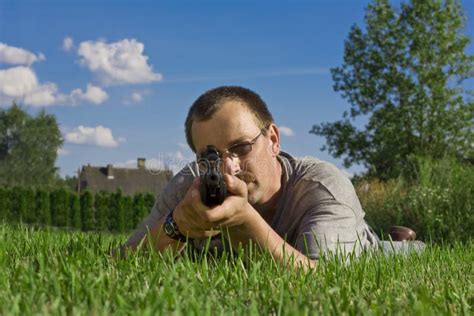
column 328, row 225
column 166, row 201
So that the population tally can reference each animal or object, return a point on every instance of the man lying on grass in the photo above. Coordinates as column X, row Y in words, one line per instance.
column 293, row 208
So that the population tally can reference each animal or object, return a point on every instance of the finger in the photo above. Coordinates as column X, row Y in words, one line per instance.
column 194, row 195
column 224, row 212
column 212, row 232
column 194, row 185
column 203, row 234
column 235, row 185
column 216, row 215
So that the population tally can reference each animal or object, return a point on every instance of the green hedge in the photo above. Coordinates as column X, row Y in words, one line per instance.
column 436, row 200
column 102, row 211
column 87, row 211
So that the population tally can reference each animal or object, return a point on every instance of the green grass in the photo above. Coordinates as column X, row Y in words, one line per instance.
column 57, row 272
column 436, row 201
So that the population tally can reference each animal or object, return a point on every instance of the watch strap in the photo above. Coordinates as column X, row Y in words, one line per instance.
column 171, row 229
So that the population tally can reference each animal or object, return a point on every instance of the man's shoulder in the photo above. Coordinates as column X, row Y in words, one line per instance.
column 314, row 169
column 312, row 173
column 180, row 182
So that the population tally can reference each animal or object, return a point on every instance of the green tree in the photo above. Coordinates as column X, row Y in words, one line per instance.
column 12, row 122
column 404, row 74
column 87, row 211
column 59, row 207
column 30, row 211
column 5, row 204
column 101, row 204
column 128, row 212
column 75, row 211
column 139, row 209
column 28, row 148
column 149, row 202
column 43, row 211
column 117, row 212
column 19, row 204
column 70, row 182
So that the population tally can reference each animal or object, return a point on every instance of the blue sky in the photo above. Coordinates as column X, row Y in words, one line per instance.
column 121, row 75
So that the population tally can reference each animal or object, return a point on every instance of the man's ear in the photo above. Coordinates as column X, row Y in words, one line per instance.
column 274, row 133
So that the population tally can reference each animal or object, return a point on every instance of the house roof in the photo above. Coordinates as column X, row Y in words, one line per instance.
column 129, row 180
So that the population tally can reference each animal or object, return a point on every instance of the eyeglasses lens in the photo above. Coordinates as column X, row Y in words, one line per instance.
column 240, row 150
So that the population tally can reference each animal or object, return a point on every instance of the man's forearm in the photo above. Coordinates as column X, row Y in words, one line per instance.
column 159, row 240
column 259, row 231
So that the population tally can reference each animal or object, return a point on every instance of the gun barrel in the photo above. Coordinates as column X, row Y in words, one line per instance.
column 213, row 188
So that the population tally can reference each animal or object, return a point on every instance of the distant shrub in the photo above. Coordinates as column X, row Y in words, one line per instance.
column 29, row 212
column 5, row 204
column 149, row 202
column 43, row 210
column 19, row 205
column 61, row 207
column 117, row 212
column 101, row 205
column 139, row 209
column 59, row 200
column 128, row 212
column 87, row 210
column 75, row 211
column 436, row 200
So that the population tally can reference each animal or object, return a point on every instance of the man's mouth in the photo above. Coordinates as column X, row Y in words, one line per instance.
column 246, row 177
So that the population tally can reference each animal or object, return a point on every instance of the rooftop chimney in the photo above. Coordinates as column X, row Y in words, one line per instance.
column 141, row 163
column 110, row 171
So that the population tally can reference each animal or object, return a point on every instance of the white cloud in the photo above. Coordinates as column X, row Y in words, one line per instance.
column 137, row 97
column 174, row 161
column 44, row 95
column 21, row 84
column 286, row 131
column 17, row 81
column 62, row 152
column 93, row 94
column 18, row 56
column 98, row 136
column 117, row 63
column 183, row 146
column 129, row 164
column 68, row 44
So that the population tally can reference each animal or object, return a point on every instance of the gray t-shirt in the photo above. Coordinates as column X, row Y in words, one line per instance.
column 318, row 210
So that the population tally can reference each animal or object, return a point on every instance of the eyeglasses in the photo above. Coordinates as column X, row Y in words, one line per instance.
column 241, row 149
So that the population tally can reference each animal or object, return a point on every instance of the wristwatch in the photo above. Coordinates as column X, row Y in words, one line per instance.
column 171, row 228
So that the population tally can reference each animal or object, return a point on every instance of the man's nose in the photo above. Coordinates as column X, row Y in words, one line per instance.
column 230, row 165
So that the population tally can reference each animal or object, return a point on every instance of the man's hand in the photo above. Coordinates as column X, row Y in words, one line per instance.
column 237, row 216
column 235, row 211
column 199, row 221
column 190, row 217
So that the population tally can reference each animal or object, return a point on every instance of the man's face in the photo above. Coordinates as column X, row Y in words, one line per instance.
column 233, row 124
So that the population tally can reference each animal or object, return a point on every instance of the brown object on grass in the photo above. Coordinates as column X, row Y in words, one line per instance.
column 400, row 233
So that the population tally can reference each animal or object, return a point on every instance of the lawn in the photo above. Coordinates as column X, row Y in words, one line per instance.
column 47, row 271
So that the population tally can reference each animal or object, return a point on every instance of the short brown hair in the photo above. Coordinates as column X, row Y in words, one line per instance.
column 208, row 103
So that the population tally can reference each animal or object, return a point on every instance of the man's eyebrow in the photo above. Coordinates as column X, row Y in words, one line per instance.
column 237, row 141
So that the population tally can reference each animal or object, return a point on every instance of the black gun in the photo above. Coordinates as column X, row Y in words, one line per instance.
column 213, row 189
